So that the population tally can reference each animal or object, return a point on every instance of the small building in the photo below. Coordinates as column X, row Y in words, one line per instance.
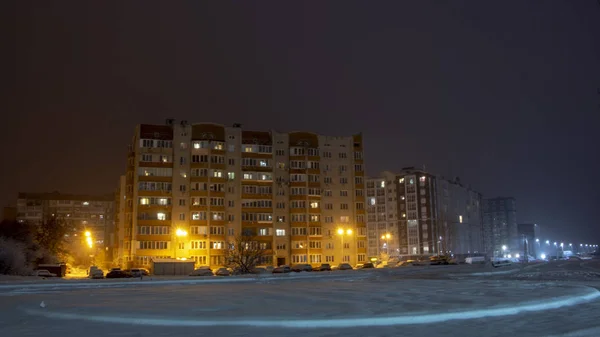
column 172, row 266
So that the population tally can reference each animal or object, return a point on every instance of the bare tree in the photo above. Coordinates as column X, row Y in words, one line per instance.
column 245, row 253
column 50, row 235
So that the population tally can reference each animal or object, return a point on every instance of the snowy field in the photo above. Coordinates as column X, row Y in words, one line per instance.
column 553, row 299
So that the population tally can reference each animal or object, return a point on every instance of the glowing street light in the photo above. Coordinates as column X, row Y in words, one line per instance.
column 179, row 233
column 88, row 234
column 547, row 242
column 341, row 232
column 386, row 237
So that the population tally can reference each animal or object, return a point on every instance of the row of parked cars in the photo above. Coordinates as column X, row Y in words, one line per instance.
column 97, row 273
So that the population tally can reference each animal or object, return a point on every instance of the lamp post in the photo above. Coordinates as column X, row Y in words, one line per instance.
column 90, row 243
column 341, row 232
column 179, row 233
column 386, row 237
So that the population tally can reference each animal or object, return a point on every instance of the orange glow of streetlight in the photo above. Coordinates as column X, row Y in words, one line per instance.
column 180, row 232
column 88, row 234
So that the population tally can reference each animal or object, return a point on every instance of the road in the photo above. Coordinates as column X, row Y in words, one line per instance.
column 550, row 299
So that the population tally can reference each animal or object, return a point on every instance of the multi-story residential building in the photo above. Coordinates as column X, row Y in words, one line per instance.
column 10, row 213
column 85, row 212
column 500, row 231
column 460, row 218
column 402, row 213
column 292, row 191
column 529, row 234
column 417, row 213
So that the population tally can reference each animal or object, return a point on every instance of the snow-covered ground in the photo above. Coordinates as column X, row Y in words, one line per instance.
column 436, row 300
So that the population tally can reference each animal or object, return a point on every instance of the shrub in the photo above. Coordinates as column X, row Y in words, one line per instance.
column 13, row 257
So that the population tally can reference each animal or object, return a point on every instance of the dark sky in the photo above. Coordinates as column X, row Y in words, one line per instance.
column 502, row 94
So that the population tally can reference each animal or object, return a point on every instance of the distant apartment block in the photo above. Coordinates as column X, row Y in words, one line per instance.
column 401, row 210
column 460, row 218
column 414, row 212
column 10, row 213
column 500, row 226
column 86, row 212
column 529, row 235
column 208, row 182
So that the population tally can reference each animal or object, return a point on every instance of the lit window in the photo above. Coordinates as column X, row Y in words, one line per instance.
column 231, row 175
column 401, row 180
column 161, row 216
column 314, row 204
column 144, row 201
column 263, row 163
column 247, row 148
column 460, row 218
column 383, row 184
column 196, row 145
column 404, row 215
column 371, row 201
column 422, row 179
column 411, row 181
column 247, row 175
column 280, row 232
column 195, row 216
column 85, row 203
column 162, row 201
column 183, row 175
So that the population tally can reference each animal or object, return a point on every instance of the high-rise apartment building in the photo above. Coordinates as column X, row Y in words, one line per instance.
column 500, row 226
column 460, row 218
column 529, row 235
column 414, row 212
column 85, row 212
column 402, row 215
column 210, row 183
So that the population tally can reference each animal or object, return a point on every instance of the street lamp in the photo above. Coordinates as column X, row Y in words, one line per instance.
column 341, row 232
column 386, row 237
column 503, row 250
column 179, row 233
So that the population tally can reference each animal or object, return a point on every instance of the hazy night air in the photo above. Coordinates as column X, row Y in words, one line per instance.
column 502, row 95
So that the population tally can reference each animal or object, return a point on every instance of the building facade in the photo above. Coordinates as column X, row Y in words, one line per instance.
column 460, row 218
column 10, row 213
column 529, row 234
column 86, row 212
column 209, row 183
column 501, row 235
column 402, row 213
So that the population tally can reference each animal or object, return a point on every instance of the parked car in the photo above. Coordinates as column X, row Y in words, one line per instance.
column 95, row 273
column 117, row 273
column 439, row 259
column 301, row 267
column 137, row 272
column 202, row 271
column 43, row 273
column 323, row 267
column 368, row 265
column 344, row 266
column 282, row 270
column 222, row 272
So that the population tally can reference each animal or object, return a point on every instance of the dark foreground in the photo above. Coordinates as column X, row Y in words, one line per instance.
column 555, row 299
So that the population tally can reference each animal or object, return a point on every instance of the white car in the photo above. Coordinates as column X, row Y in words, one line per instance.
column 44, row 273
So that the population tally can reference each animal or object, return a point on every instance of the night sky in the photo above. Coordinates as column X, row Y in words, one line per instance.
column 503, row 94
